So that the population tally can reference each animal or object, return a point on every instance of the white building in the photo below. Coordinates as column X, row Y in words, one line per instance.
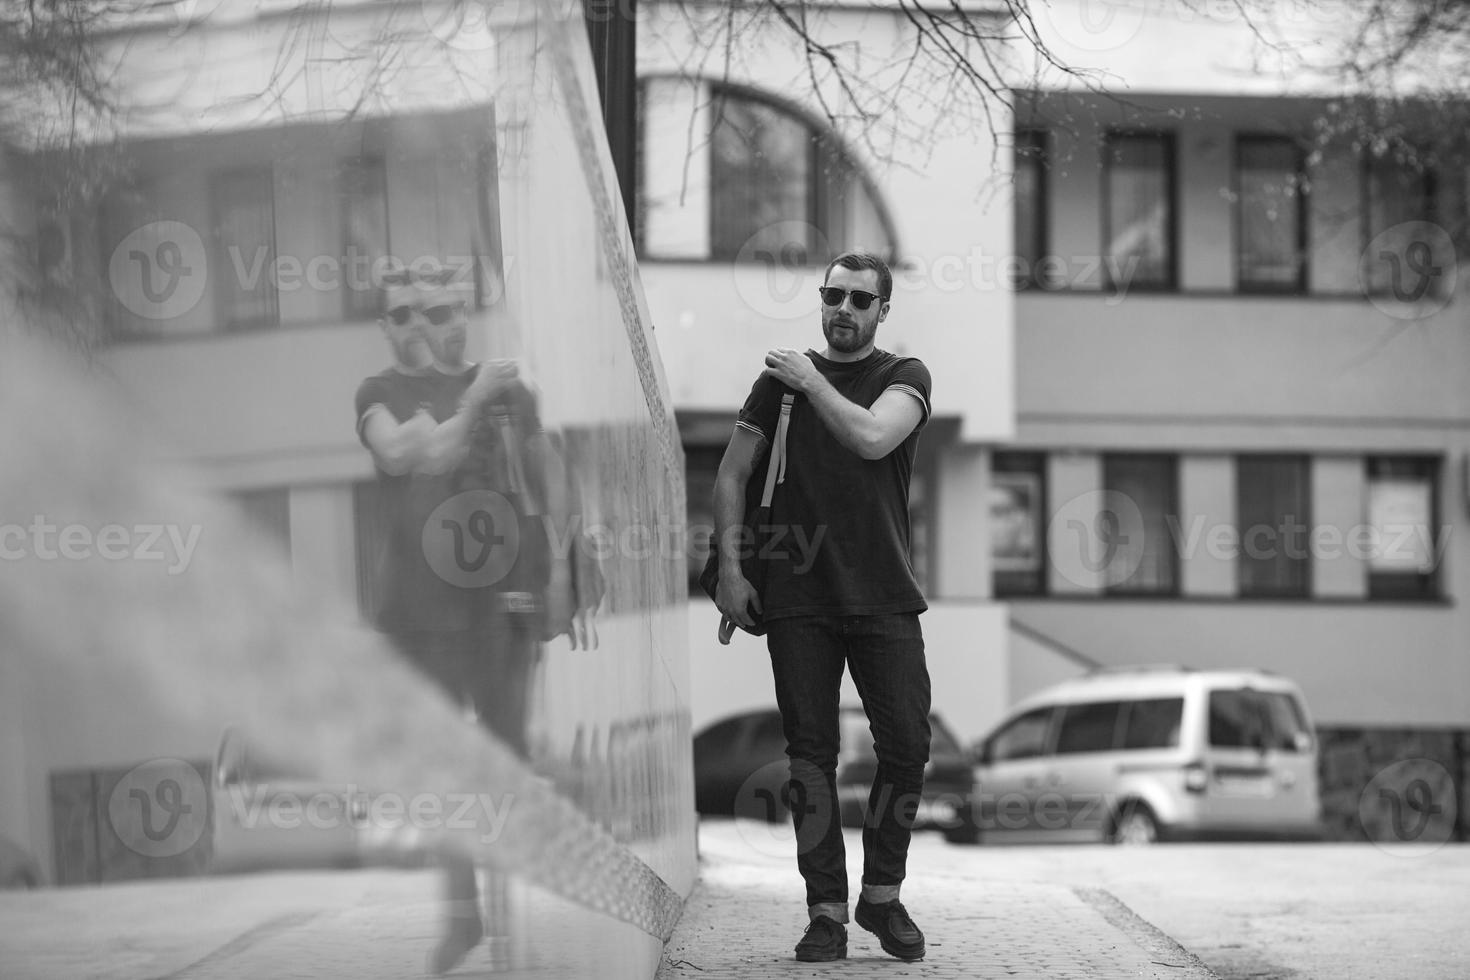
column 1199, row 384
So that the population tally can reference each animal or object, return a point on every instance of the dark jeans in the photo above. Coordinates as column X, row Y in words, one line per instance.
column 492, row 668
column 886, row 657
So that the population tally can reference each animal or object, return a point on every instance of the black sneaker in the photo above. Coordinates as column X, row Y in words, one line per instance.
column 896, row 932
column 825, row 939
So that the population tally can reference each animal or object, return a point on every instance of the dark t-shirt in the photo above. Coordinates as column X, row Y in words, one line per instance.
column 411, row 595
column 843, row 520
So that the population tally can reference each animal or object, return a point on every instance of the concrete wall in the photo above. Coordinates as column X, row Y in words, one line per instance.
column 1357, row 663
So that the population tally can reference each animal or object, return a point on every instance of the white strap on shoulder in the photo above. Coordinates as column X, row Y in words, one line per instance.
column 776, row 468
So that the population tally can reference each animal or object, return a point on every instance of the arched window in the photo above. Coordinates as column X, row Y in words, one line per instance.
column 731, row 174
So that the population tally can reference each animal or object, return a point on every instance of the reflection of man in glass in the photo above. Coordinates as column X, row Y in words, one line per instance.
column 419, row 419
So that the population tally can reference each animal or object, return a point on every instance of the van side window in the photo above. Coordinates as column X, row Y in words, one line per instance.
column 1237, row 720
column 1153, row 724
column 1287, row 722
column 1089, row 727
column 1023, row 738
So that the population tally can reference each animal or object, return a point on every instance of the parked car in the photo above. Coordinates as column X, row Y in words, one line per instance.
column 268, row 815
column 1135, row 755
column 740, row 769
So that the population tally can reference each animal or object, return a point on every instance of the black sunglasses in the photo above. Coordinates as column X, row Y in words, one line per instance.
column 861, row 298
column 436, row 315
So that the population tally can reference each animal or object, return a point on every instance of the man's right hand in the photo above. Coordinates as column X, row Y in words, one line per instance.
column 735, row 597
column 490, row 381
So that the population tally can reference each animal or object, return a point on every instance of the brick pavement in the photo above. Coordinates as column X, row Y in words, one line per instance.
column 745, row 916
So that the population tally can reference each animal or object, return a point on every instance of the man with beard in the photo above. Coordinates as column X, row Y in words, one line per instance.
column 840, row 590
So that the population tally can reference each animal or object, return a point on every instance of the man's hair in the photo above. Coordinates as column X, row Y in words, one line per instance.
column 857, row 261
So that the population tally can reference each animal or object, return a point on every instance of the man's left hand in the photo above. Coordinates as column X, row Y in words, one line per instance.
column 793, row 368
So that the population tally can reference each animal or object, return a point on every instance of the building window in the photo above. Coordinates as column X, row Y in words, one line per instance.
column 1272, row 511
column 1030, row 167
column 1138, row 522
column 1017, row 525
column 761, row 166
column 1271, row 215
column 1398, row 196
column 701, row 465
column 244, row 240
column 363, row 192
column 130, row 275
column 1139, row 211
column 1403, row 512
column 769, row 185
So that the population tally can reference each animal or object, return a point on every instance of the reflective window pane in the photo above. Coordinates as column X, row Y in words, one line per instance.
column 1139, row 215
column 1270, row 251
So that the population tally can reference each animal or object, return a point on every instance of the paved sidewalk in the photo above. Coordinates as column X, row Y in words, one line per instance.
column 365, row 925
column 745, row 915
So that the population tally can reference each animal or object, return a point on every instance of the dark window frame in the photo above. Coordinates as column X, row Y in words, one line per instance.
column 1392, row 586
column 1303, row 217
column 835, row 149
column 1036, row 141
column 1367, row 161
column 363, row 164
column 1005, row 584
column 1167, row 138
column 225, row 266
column 1303, row 589
column 1175, row 586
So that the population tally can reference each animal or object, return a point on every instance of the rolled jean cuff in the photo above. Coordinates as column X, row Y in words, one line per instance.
column 878, row 894
column 836, row 911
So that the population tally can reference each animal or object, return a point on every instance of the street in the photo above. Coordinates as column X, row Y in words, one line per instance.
column 1257, row 911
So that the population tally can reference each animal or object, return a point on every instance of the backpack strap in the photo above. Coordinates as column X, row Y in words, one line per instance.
column 776, row 467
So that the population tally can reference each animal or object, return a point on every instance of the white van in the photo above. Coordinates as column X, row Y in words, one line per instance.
column 1138, row 754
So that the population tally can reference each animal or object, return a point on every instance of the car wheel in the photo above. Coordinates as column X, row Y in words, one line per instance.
column 1134, row 824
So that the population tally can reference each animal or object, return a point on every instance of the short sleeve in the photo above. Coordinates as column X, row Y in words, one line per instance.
column 373, row 391
column 911, row 376
column 762, row 408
